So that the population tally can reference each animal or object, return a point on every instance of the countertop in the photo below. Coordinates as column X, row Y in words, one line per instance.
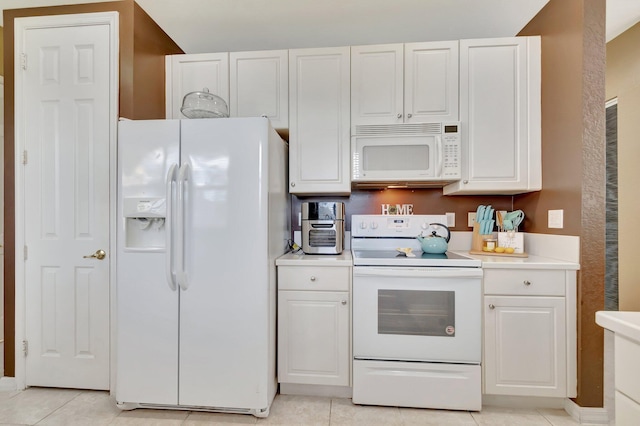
column 498, row 262
column 301, row 259
column 531, row 262
column 625, row 323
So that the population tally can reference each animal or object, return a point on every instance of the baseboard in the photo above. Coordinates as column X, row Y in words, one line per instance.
column 513, row 401
column 8, row 384
column 587, row 415
column 316, row 390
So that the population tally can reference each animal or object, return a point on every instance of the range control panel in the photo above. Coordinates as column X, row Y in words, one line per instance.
column 395, row 226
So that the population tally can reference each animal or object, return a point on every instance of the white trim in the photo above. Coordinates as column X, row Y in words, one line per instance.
column 518, row 401
column 316, row 390
column 22, row 25
column 611, row 102
column 586, row 415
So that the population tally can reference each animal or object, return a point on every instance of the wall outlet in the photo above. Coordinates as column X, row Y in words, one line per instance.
column 556, row 219
column 451, row 220
column 471, row 219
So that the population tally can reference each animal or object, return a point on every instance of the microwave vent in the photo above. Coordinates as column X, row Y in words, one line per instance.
column 398, row 129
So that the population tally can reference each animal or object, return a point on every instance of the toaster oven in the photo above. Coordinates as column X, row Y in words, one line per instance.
column 322, row 227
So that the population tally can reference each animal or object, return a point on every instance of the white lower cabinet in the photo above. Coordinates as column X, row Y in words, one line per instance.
column 313, row 325
column 529, row 333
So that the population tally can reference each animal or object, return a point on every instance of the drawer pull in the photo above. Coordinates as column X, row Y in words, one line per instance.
column 344, row 302
column 492, row 306
column 313, row 278
column 526, row 282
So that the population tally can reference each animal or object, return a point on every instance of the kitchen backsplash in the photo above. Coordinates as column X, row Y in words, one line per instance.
column 424, row 201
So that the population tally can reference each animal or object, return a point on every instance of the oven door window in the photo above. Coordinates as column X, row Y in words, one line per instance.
column 416, row 312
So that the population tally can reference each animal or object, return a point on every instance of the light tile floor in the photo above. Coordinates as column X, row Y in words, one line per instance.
column 64, row 407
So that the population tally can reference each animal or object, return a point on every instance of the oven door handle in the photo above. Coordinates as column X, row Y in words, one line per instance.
column 426, row 272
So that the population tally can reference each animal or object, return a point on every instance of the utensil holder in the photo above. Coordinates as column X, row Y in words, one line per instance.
column 476, row 239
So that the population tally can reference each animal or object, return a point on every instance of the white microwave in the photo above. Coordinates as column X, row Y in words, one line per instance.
column 405, row 155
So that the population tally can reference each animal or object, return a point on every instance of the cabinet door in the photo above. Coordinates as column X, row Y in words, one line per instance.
column 431, row 82
column 313, row 337
column 194, row 73
column 319, row 140
column 259, row 84
column 377, row 84
column 525, row 346
column 500, row 116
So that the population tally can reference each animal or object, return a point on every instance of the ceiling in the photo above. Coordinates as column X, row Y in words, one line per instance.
column 201, row 26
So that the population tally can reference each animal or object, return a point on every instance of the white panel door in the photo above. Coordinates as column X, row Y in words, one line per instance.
column 500, row 116
column 319, row 141
column 431, row 82
column 320, row 357
column 377, row 84
column 525, row 346
column 259, row 84
column 66, row 204
column 195, row 73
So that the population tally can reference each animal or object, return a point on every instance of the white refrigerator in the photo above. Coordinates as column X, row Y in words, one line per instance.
column 203, row 213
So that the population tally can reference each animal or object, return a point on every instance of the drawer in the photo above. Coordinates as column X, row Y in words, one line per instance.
column 525, row 282
column 314, row 278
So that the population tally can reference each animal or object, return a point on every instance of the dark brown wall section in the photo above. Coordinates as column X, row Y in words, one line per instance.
column 573, row 149
column 143, row 46
column 425, row 201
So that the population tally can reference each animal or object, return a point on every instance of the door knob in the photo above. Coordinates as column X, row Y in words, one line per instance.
column 99, row 254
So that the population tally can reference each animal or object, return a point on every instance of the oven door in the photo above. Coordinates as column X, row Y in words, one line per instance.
column 417, row 314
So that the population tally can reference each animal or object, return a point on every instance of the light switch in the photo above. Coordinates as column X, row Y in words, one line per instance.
column 451, row 220
column 556, row 219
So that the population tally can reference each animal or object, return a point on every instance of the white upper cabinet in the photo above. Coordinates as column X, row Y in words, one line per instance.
column 194, row 73
column 259, row 86
column 319, row 139
column 500, row 116
column 404, row 83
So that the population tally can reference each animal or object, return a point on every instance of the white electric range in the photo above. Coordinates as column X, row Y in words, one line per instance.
column 416, row 320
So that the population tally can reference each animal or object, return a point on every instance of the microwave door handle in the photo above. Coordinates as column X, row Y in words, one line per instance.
column 439, row 155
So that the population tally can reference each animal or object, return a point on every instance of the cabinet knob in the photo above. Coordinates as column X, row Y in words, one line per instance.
column 492, row 306
column 465, row 182
column 525, row 282
column 313, row 278
column 293, row 184
column 399, row 115
column 344, row 302
column 409, row 115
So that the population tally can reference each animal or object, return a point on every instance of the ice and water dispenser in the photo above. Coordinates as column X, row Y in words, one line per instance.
column 144, row 223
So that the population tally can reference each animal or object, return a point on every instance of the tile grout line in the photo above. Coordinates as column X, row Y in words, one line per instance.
column 54, row 411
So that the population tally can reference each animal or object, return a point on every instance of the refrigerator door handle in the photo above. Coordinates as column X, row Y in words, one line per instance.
column 183, row 178
column 169, row 229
